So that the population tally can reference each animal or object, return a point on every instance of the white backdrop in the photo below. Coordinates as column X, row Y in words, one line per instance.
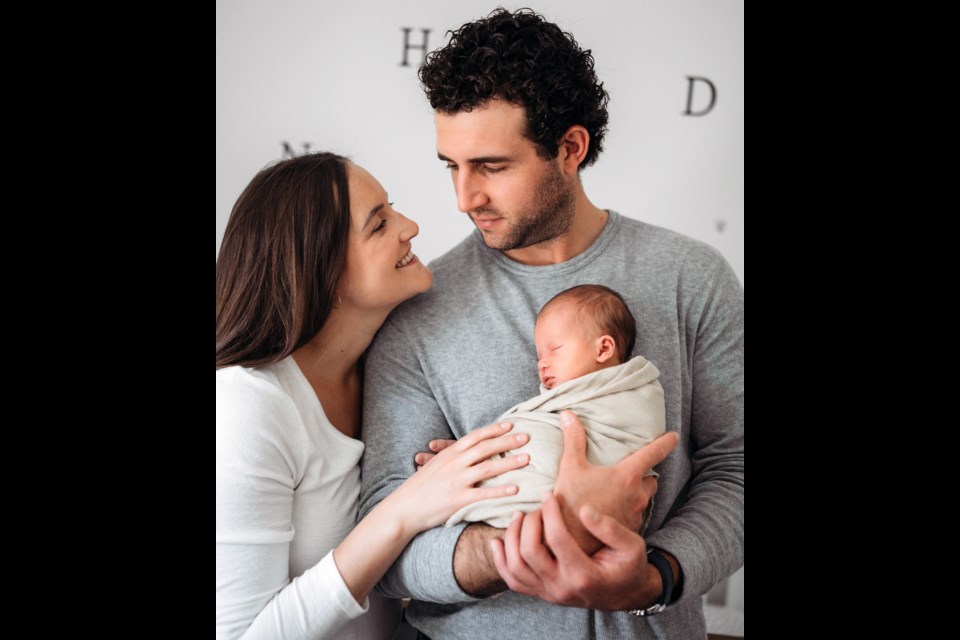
column 328, row 74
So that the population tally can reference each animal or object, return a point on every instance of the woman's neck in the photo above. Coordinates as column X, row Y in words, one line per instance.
column 331, row 364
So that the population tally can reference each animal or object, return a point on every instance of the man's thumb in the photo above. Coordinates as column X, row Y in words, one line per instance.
column 574, row 438
column 606, row 529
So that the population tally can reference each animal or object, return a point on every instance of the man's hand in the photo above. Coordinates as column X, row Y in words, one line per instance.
column 620, row 491
column 435, row 446
column 616, row 577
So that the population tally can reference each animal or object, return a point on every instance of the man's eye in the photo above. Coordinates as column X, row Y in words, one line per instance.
column 452, row 167
column 494, row 169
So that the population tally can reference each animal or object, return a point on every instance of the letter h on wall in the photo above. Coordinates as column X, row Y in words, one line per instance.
column 407, row 46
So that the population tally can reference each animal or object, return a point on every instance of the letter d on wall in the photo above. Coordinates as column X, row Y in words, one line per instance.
column 713, row 97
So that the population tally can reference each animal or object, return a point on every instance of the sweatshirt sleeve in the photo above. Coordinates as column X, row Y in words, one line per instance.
column 706, row 533
column 259, row 462
column 400, row 416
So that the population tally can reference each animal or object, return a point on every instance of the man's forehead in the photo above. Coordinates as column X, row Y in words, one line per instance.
column 490, row 130
column 491, row 118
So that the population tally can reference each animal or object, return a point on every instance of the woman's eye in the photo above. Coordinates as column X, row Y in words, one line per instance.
column 380, row 226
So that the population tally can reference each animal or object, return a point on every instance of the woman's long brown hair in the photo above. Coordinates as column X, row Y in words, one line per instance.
column 281, row 258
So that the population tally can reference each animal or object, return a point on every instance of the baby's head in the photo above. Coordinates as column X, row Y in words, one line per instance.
column 581, row 330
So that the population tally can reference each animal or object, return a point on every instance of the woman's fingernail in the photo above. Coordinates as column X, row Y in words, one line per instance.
column 565, row 419
column 505, row 425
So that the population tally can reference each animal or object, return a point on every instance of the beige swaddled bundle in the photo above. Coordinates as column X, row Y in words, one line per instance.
column 621, row 409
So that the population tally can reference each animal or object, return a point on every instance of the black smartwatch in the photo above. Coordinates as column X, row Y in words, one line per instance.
column 658, row 560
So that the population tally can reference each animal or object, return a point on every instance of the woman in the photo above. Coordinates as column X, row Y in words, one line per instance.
column 312, row 261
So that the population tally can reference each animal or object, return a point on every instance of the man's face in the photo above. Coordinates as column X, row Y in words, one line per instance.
column 516, row 198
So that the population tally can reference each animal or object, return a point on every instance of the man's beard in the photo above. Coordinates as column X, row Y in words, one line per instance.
column 551, row 215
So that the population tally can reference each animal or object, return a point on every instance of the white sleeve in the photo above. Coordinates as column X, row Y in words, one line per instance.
column 259, row 462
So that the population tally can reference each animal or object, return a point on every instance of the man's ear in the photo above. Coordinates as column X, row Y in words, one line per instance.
column 606, row 348
column 573, row 148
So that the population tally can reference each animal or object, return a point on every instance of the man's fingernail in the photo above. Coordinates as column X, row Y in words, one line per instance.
column 546, row 496
column 515, row 516
column 594, row 514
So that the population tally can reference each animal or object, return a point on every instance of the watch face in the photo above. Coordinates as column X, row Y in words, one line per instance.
column 649, row 611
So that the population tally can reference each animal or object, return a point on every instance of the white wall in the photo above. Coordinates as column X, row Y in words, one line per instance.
column 328, row 73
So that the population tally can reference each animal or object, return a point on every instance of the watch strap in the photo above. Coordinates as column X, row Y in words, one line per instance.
column 658, row 560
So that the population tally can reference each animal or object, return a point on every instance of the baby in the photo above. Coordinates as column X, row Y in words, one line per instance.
column 584, row 336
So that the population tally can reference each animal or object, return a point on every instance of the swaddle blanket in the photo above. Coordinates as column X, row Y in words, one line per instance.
column 621, row 409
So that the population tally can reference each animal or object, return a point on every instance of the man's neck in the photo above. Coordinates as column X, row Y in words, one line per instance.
column 588, row 224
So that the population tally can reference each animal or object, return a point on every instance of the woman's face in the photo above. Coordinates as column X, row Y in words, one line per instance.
column 381, row 270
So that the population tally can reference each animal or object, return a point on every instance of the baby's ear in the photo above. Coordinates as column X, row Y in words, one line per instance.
column 606, row 348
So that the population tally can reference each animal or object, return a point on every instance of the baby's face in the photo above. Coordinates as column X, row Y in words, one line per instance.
column 564, row 350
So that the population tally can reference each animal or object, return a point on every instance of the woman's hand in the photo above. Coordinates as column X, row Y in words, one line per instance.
column 425, row 500
column 436, row 446
column 439, row 489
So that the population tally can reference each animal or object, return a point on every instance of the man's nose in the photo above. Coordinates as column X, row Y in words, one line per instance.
column 470, row 194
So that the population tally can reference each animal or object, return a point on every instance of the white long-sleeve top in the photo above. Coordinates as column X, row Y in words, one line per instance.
column 288, row 485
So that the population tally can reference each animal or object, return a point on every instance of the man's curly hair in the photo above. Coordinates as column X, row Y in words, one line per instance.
column 523, row 59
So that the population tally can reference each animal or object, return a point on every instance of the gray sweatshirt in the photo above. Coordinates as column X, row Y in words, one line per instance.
column 455, row 358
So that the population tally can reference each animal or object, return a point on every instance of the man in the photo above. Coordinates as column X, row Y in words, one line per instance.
column 519, row 112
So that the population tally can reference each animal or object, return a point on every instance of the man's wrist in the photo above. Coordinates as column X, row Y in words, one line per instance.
column 473, row 565
column 660, row 587
column 677, row 577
